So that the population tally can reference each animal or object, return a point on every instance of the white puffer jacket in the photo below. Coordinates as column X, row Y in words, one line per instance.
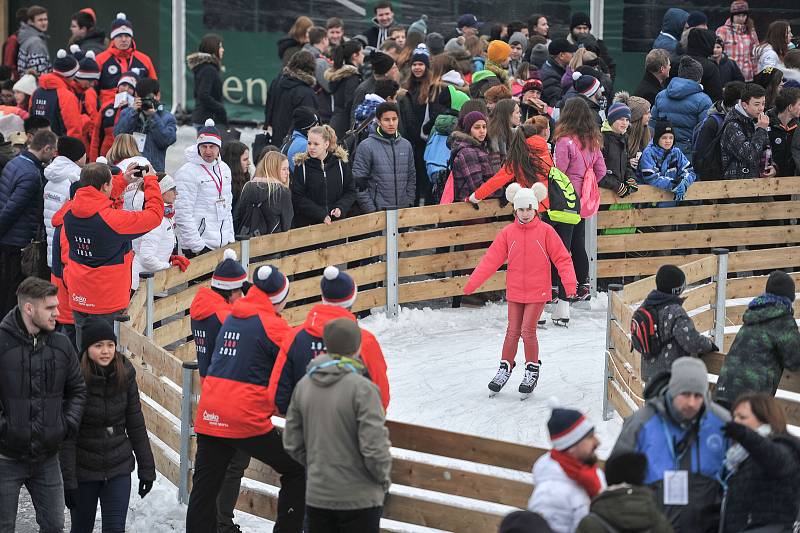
column 559, row 499
column 151, row 251
column 60, row 174
column 201, row 218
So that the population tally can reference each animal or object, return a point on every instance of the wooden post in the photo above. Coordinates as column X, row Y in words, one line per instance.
column 613, row 289
column 719, row 303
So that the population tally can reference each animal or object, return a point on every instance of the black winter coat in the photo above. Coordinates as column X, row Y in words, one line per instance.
column 551, row 74
column 700, row 46
column 112, row 431
column 741, row 146
column 615, row 154
column 42, row 393
column 780, row 139
column 343, row 83
column 319, row 187
column 287, row 92
column 207, row 89
column 649, row 87
column 94, row 41
column 21, row 207
column 765, row 489
column 729, row 70
column 261, row 212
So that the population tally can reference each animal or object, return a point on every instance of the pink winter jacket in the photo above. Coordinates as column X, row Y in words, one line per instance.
column 569, row 161
column 529, row 249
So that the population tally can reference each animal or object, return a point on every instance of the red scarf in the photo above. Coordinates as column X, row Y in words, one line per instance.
column 581, row 473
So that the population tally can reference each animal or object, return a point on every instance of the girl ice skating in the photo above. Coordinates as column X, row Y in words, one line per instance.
column 528, row 245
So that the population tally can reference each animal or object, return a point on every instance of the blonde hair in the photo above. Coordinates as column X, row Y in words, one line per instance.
column 299, row 30
column 123, row 147
column 581, row 57
column 270, row 168
column 328, row 134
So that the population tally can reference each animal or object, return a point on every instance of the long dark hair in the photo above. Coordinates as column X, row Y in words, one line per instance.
column 232, row 155
column 420, row 86
column 577, row 120
column 523, row 161
column 499, row 131
column 118, row 364
column 210, row 44
column 344, row 52
column 776, row 35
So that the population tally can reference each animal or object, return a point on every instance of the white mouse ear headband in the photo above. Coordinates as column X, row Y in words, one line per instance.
column 523, row 197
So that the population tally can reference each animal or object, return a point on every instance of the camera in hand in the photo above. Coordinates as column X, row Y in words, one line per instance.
column 149, row 103
column 140, row 170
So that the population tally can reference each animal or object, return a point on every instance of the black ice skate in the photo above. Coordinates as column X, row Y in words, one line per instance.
column 500, row 379
column 529, row 380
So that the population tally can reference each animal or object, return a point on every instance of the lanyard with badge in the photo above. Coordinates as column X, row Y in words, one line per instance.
column 220, row 202
column 676, row 482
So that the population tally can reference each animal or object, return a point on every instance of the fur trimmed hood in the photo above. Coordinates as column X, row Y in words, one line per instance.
column 339, row 74
column 305, row 77
column 338, row 153
column 198, row 58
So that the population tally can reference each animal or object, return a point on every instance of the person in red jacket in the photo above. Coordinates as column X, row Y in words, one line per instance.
column 105, row 119
column 528, row 161
column 339, row 293
column 66, row 323
column 100, row 237
column 83, row 85
column 55, row 100
column 121, row 57
column 210, row 307
column 528, row 245
column 235, row 409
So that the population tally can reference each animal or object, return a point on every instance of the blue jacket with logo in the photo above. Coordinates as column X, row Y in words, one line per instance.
column 655, row 431
column 20, row 200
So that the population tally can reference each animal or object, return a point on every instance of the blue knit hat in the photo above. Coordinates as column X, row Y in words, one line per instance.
column 421, row 54
column 617, row 111
column 271, row 282
column 65, row 65
column 338, row 288
column 567, row 428
column 229, row 274
column 209, row 134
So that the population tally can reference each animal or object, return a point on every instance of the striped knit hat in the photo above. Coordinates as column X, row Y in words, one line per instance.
column 567, row 428
column 209, row 134
column 88, row 69
column 271, row 282
column 338, row 288
column 229, row 274
column 65, row 65
column 121, row 26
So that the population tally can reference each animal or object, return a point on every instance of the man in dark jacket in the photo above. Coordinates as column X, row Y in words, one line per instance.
column 580, row 28
column 672, row 27
column 783, row 122
column 745, row 136
column 384, row 168
column 383, row 68
column 700, row 46
column 657, row 66
column 153, row 126
column 85, row 32
column 21, row 210
column 767, row 344
column 42, row 394
column 383, row 20
column 679, row 429
column 292, row 89
column 560, row 51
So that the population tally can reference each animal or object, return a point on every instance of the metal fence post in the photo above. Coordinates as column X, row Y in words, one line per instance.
column 150, row 292
column 187, row 430
column 244, row 241
column 721, row 298
column 591, row 252
column 117, row 320
column 392, row 259
column 610, row 318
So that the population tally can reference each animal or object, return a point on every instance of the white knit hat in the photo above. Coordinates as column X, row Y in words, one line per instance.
column 167, row 183
column 26, row 84
column 523, row 197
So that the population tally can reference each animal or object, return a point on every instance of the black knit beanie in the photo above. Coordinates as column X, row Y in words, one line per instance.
column 780, row 283
column 670, row 280
column 95, row 331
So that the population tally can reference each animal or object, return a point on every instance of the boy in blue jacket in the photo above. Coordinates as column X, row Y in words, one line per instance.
column 663, row 165
column 153, row 126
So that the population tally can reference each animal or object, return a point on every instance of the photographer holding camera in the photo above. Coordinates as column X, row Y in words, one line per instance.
column 152, row 126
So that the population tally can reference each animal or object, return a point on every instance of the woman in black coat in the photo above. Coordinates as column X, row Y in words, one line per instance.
column 344, row 77
column 762, row 468
column 322, row 183
column 292, row 89
column 265, row 205
column 98, row 461
column 206, row 65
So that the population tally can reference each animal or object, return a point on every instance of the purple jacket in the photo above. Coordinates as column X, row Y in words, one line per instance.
column 569, row 158
column 471, row 166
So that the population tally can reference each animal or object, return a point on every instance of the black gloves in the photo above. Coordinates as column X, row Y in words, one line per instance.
column 503, row 199
column 735, row 431
column 144, row 487
column 627, row 187
column 71, row 498
column 191, row 255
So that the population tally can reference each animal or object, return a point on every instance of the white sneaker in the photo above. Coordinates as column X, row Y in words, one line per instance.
column 561, row 314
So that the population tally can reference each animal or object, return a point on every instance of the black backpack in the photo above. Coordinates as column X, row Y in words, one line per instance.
column 707, row 160
column 441, row 179
column 645, row 337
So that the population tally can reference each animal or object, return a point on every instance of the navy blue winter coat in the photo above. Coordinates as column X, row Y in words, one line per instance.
column 671, row 29
column 684, row 104
column 21, row 200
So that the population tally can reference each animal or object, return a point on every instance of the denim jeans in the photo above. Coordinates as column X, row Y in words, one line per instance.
column 114, row 495
column 43, row 481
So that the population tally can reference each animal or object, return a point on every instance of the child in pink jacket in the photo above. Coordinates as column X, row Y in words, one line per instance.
column 528, row 245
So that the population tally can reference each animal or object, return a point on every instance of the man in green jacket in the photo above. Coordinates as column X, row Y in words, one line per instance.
column 767, row 343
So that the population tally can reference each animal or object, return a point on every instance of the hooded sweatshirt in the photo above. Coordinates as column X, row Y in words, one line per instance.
column 60, row 174
column 235, row 402
column 700, row 46
column 336, row 428
column 208, row 312
column 671, row 29
column 33, row 52
column 101, row 253
column 203, row 210
column 56, row 101
column 306, row 343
